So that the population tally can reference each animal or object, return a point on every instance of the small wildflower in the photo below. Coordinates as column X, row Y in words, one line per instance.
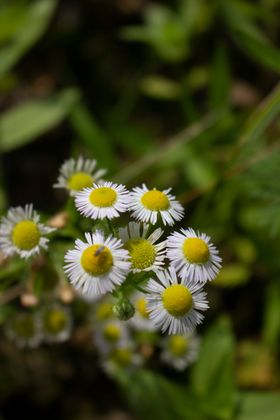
column 193, row 255
column 97, row 265
column 145, row 254
column 103, row 200
column 76, row 175
column 180, row 351
column 24, row 328
column 174, row 305
column 150, row 205
column 110, row 335
column 56, row 323
column 22, row 233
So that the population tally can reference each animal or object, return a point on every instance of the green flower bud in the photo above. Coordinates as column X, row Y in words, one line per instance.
column 124, row 309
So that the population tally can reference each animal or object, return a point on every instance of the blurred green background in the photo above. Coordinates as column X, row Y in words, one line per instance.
column 183, row 94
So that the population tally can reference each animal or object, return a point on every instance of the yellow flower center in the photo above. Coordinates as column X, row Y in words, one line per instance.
column 97, row 260
column 196, row 250
column 24, row 326
column 178, row 345
column 80, row 180
column 141, row 307
column 103, row 197
column 104, row 311
column 54, row 321
column 142, row 253
column 112, row 333
column 177, row 300
column 121, row 357
column 155, row 200
column 26, row 235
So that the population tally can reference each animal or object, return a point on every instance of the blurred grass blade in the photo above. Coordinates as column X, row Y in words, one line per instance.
column 34, row 25
column 260, row 50
column 92, row 135
column 220, row 80
column 174, row 143
column 28, row 120
column 259, row 406
column 257, row 122
column 212, row 375
column 271, row 328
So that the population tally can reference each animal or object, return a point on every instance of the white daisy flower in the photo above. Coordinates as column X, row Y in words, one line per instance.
column 122, row 358
column 145, row 254
column 76, row 174
column 174, row 305
column 140, row 320
column 56, row 323
column 21, row 233
column 110, row 335
column 151, row 205
column 103, row 200
column 193, row 255
column 24, row 329
column 97, row 265
column 180, row 351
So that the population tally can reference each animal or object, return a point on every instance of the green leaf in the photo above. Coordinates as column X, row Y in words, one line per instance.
column 32, row 28
column 28, row 120
column 212, row 375
column 153, row 396
column 259, row 406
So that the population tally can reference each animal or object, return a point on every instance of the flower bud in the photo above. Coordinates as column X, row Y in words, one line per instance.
column 124, row 309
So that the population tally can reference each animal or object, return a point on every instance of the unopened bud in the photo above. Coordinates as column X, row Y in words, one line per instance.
column 124, row 309
column 29, row 300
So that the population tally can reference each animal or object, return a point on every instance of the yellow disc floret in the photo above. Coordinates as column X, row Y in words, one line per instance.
column 155, row 200
column 121, row 357
column 97, row 260
column 141, row 307
column 103, row 197
column 178, row 345
column 26, row 235
column 177, row 300
column 80, row 180
column 54, row 321
column 142, row 253
column 196, row 250
column 112, row 333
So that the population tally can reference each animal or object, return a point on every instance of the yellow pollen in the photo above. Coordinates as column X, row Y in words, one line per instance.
column 141, row 307
column 80, row 180
column 54, row 321
column 112, row 333
column 178, row 345
column 26, row 235
column 177, row 300
column 103, row 197
column 97, row 260
column 155, row 200
column 104, row 311
column 142, row 253
column 121, row 357
column 196, row 250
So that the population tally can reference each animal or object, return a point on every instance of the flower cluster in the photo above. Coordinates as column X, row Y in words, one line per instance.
column 135, row 257
column 156, row 277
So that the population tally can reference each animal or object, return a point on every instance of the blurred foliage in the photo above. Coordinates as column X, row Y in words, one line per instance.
column 178, row 93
